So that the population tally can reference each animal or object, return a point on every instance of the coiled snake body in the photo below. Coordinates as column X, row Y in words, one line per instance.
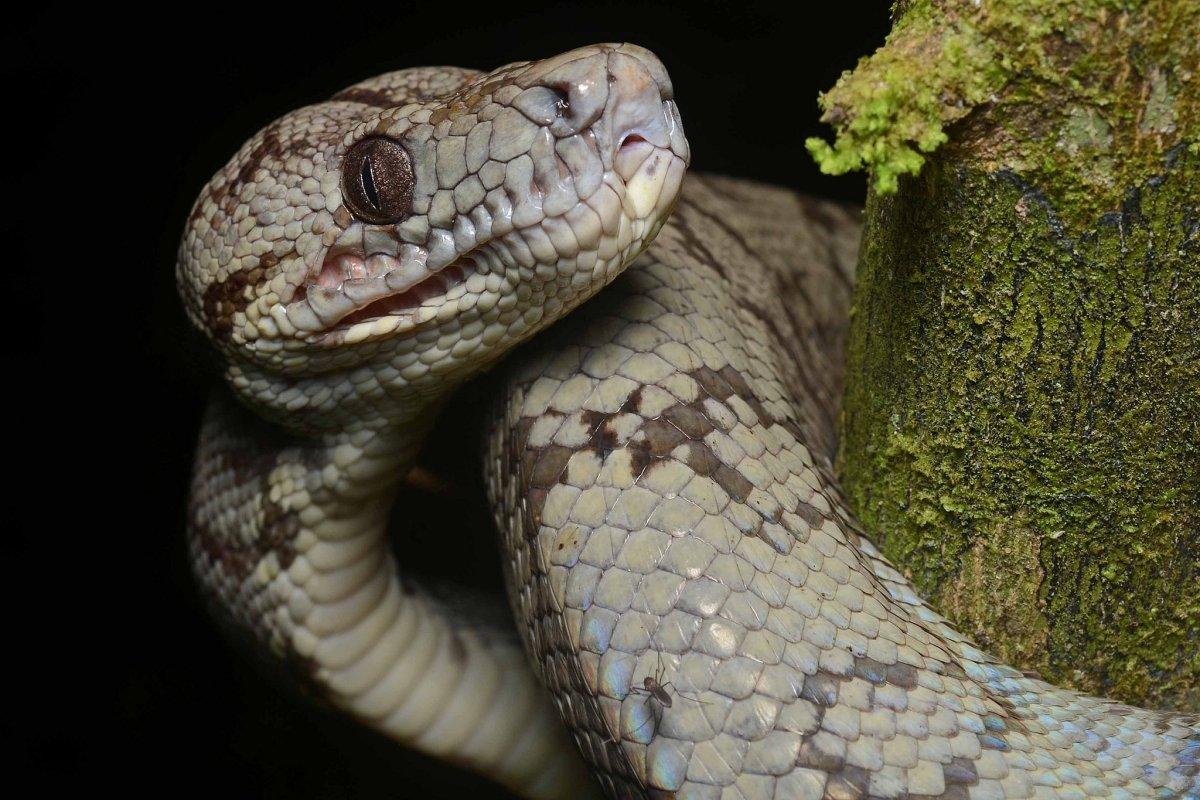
column 687, row 579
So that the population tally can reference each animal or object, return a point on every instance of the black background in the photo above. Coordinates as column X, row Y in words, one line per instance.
column 116, row 679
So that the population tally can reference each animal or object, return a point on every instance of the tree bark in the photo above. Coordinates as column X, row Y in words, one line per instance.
column 1021, row 424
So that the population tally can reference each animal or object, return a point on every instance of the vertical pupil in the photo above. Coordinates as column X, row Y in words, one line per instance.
column 368, row 182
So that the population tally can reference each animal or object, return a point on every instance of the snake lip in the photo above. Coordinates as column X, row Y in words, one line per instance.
column 407, row 300
column 377, row 294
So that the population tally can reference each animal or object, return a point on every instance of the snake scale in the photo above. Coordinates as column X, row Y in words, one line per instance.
column 688, row 581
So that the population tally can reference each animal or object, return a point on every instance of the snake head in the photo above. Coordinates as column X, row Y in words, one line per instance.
column 425, row 221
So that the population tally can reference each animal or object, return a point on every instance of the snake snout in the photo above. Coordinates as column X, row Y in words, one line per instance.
column 639, row 98
column 621, row 92
column 620, row 97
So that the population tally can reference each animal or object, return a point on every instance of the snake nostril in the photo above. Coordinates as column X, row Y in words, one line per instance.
column 630, row 139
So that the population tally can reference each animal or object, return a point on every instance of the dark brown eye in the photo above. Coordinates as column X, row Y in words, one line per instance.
column 377, row 181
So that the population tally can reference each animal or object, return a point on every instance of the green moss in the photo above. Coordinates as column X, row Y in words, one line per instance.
column 1022, row 419
column 896, row 104
column 1022, row 414
column 1045, row 87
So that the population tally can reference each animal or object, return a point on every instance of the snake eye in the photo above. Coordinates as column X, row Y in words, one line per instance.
column 377, row 181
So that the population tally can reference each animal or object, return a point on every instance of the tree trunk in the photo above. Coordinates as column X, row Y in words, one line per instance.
column 1022, row 415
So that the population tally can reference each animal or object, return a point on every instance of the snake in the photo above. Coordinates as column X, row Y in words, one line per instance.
column 698, row 613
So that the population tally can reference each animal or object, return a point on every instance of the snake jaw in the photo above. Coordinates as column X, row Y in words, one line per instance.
column 366, row 276
column 358, row 297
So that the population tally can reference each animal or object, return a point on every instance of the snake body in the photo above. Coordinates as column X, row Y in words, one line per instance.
column 689, row 584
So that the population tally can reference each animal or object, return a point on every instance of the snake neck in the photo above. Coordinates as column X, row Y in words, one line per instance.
column 262, row 495
column 290, row 534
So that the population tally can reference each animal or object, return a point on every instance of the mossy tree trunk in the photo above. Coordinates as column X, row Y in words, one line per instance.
column 1022, row 414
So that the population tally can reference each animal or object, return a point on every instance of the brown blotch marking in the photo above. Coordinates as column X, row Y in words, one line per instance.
column 820, row 688
column 902, row 675
column 536, row 497
column 953, row 670
column 600, row 437
column 712, row 383
column 593, row 419
column 870, row 670
column 368, row 97
column 854, row 533
column 809, row 514
column 850, row 783
column 759, row 410
column 960, row 771
column 693, row 423
column 248, row 451
column 696, row 216
column 550, row 465
column 736, row 381
column 715, row 220
column 701, row 458
column 813, row 757
column 278, row 533
column 227, row 197
column 521, row 433
column 633, row 401
column 661, row 437
column 269, row 145
column 729, row 381
column 733, row 482
column 639, row 460
column 797, row 432
column 223, row 299
column 235, row 561
column 525, row 463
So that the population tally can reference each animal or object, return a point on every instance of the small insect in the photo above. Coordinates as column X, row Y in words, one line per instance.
column 654, row 689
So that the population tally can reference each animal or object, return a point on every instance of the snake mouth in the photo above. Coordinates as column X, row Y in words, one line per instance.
column 360, row 297
column 405, row 302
